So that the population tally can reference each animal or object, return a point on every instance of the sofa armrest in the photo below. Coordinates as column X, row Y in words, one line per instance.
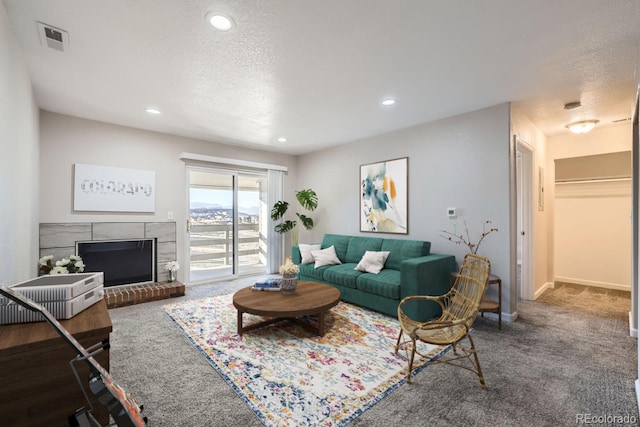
column 426, row 275
column 296, row 257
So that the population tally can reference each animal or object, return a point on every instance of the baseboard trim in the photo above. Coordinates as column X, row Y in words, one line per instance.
column 616, row 286
column 510, row 317
column 548, row 285
column 506, row 317
column 638, row 393
column 632, row 331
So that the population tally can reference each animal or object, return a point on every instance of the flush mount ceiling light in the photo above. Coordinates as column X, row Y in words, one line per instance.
column 282, row 139
column 152, row 111
column 388, row 102
column 583, row 126
column 219, row 21
column 572, row 105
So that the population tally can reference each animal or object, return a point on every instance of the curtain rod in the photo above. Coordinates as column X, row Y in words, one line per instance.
column 227, row 161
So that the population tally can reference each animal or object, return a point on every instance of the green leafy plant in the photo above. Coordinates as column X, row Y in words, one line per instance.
column 308, row 199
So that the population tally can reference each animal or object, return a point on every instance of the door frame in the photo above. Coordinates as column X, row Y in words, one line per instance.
column 524, row 208
column 235, row 175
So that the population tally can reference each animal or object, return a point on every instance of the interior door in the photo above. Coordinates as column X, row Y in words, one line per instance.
column 524, row 214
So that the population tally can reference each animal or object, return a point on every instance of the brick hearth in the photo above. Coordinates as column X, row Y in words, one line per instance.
column 138, row 294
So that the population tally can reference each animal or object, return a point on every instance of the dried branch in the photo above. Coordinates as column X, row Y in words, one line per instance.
column 465, row 239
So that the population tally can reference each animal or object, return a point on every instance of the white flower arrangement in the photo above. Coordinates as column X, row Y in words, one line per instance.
column 69, row 265
column 172, row 266
column 45, row 261
column 289, row 267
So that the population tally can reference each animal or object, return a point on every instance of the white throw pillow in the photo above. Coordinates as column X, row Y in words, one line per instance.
column 372, row 262
column 326, row 257
column 305, row 252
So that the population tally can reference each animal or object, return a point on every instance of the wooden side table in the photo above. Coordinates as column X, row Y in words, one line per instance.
column 488, row 305
column 38, row 386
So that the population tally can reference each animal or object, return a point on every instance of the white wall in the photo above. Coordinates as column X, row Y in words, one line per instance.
column 592, row 232
column 18, row 163
column 602, row 140
column 461, row 162
column 67, row 140
column 522, row 127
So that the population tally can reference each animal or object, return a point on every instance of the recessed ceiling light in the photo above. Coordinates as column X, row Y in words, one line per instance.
column 152, row 111
column 583, row 126
column 219, row 21
column 282, row 139
column 388, row 102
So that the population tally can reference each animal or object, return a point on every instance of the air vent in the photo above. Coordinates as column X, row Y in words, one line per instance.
column 53, row 37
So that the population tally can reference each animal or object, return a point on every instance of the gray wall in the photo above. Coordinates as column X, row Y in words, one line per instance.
column 60, row 239
column 460, row 162
column 18, row 162
column 66, row 140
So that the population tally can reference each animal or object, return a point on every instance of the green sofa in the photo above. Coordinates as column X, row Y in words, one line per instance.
column 410, row 269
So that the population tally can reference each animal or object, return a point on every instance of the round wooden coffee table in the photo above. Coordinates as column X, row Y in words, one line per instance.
column 310, row 299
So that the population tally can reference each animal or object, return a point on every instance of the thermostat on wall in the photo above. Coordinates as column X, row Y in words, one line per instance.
column 452, row 213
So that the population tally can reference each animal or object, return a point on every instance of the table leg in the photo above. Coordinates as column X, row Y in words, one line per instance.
column 321, row 324
column 239, row 322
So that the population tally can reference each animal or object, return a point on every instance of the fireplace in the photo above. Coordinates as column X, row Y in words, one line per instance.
column 61, row 239
column 123, row 262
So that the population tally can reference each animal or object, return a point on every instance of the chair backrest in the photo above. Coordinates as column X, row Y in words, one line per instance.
column 468, row 289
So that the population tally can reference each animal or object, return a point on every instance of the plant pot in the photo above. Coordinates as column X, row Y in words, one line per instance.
column 289, row 284
column 172, row 276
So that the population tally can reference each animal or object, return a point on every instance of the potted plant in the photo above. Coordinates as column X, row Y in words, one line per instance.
column 308, row 199
column 172, row 267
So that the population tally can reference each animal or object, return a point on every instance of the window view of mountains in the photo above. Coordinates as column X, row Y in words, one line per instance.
column 213, row 213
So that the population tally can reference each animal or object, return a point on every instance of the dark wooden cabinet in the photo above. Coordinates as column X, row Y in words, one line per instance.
column 37, row 385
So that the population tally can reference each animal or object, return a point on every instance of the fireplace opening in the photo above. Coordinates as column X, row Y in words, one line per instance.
column 123, row 262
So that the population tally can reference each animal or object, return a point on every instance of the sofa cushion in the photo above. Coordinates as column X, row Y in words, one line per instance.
column 325, row 257
column 403, row 249
column 309, row 270
column 305, row 252
column 359, row 245
column 343, row 274
column 386, row 283
column 372, row 262
column 340, row 242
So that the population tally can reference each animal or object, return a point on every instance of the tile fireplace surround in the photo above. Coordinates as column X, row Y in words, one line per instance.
column 59, row 240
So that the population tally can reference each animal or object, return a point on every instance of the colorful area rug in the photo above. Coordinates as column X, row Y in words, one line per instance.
column 290, row 377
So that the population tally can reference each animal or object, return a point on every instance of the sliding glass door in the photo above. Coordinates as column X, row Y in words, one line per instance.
column 227, row 220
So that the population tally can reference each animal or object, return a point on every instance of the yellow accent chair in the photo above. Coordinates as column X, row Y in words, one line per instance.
column 459, row 309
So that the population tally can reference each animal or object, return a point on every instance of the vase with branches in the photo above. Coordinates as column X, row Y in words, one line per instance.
column 465, row 238
column 308, row 200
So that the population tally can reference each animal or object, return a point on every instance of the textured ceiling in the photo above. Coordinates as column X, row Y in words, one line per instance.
column 315, row 71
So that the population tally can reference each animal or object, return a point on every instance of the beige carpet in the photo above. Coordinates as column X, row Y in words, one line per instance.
column 560, row 359
column 589, row 299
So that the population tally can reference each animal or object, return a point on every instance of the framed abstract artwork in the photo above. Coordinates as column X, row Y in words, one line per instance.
column 384, row 196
